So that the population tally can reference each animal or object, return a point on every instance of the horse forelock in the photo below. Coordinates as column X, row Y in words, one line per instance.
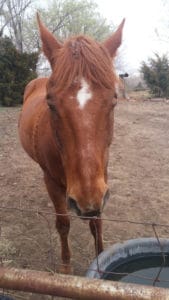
column 81, row 57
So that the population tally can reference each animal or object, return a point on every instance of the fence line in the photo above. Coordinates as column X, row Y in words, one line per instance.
column 40, row 212
column 76, row 287
column 43, row 215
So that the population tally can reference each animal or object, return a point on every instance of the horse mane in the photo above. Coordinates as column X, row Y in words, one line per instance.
column 79, row 57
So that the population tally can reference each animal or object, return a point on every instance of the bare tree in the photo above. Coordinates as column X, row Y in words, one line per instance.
column 12, row 13
column 162, row 30
column 2, row 2
column 2, row 20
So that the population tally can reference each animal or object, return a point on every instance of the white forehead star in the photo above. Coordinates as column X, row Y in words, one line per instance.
column 84, row 94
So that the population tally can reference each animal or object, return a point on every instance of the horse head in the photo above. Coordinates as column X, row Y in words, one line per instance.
column 81, row 100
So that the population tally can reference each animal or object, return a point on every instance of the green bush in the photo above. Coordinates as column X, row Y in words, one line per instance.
column 156, row 75
column 16, row 70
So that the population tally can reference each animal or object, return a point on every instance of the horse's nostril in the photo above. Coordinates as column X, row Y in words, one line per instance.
column 73, row 205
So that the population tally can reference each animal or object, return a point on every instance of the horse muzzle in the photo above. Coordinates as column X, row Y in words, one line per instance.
column 73, row 205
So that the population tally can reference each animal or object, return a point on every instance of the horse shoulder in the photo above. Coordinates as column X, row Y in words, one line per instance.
column 35, row 86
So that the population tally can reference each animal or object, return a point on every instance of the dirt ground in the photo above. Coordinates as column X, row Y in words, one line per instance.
column 138, row 180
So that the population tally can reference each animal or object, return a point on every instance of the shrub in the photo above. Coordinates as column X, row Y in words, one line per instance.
column 156, row 75
column 16, row 70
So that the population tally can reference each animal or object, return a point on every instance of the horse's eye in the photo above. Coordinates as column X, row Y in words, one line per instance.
column 115, row 95
column 51, row 107
column 114, row 102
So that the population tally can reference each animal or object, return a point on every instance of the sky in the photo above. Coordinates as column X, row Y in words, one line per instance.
column 143, row 17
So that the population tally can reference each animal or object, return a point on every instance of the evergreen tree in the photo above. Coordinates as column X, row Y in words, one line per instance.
column 16, row 70
column 156, row 75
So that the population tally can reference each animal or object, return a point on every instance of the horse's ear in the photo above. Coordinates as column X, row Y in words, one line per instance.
column 114, row 41
column 49, row 42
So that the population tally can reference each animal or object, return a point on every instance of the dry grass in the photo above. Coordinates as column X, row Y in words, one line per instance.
column 138, row 181
column 139, row 95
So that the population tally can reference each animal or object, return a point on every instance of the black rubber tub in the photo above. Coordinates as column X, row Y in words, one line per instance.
column 4, row 297
column 142, row 261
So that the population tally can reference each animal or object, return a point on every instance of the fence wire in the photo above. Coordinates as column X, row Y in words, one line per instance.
column 50, row 261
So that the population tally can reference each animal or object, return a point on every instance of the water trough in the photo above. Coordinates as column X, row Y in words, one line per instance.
column 141, row 261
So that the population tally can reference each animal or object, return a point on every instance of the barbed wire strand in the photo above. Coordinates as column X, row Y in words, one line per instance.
column 156, row 279
column 37, row 211
column 44, row 213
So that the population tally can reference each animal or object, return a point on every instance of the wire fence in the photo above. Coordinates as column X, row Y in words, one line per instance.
column 41, row 250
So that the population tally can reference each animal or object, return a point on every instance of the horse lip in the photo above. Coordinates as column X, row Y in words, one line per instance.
column 72, row 205
column 91, row 214
column 88, row 215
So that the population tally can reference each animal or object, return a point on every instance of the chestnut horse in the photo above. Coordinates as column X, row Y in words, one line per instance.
column 66, row 126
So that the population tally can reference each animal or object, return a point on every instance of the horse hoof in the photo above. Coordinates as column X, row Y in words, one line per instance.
column 66, row 269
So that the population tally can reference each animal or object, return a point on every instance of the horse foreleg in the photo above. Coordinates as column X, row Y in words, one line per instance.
column 57, row 196
column 63, row 226
column 96, row 230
